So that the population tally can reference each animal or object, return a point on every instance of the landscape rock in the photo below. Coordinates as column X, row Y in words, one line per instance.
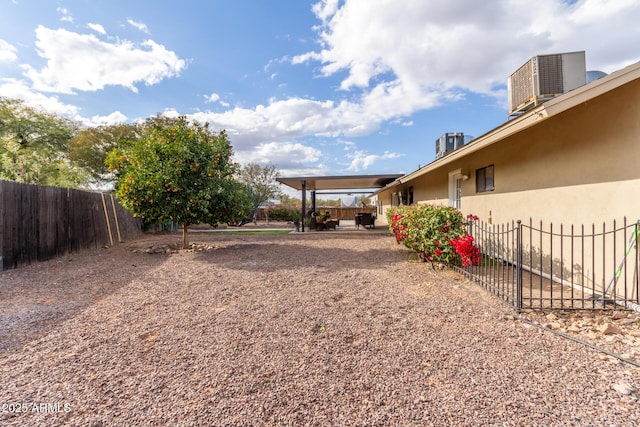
column 623, row 388
column 610, row 329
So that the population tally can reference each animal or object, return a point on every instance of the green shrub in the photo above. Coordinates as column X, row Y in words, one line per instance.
column 429, row 230
column 283, row 214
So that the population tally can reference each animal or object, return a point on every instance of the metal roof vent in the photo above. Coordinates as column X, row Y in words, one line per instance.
column 544, row 77
column 449, row 142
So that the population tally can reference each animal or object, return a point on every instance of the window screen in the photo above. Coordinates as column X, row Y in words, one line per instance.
column 484, row 179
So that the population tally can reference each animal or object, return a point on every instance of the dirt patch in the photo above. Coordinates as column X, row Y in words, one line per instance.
column 312, row 329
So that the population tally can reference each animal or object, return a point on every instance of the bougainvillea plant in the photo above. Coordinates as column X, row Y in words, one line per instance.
column 436, row 233
column 468, row 252
column 399, row 223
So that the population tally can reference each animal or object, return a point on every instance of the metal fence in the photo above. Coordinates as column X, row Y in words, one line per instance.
column 533, row 266
column 38, row 223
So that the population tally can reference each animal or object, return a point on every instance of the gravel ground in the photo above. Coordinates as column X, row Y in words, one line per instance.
column 305, row 329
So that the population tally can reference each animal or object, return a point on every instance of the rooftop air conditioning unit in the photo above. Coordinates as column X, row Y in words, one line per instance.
column 448, row 142
column 544, row 77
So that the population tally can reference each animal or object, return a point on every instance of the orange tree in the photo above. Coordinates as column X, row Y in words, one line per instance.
column 181, row 172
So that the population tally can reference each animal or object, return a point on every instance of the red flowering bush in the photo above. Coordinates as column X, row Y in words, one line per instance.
column 399, row 223
column 436, row 233
column 468, row 252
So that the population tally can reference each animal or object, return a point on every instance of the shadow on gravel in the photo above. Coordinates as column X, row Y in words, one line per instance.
column 266, row 253
column 39, row 298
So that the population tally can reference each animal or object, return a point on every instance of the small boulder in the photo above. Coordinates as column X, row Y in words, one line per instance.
column 610, row 329
column 623, row 388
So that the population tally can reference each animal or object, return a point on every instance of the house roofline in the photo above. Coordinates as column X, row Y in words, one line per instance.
column 548, row 109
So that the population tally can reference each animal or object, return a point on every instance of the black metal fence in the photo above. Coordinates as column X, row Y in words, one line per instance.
column 38, row 223
column 532, row 266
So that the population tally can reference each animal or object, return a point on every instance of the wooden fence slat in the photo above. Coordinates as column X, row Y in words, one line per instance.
column 38, row 223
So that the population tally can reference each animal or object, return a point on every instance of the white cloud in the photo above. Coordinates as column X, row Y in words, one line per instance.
column 65, row 14
column 361, row 160
column 324, row 9
column 139, row 25
column 211, row 98
column 171, row 112
column 111, row 119
column 7, row 52
column 348, row 145
column 18, row 89
column 82, row 61
column 287, row 155
column 415, row 54
column 97, row 28
column 291, row 118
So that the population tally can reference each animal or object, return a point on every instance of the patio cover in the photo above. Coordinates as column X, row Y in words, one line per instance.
column 322, row 183
column 353, row 182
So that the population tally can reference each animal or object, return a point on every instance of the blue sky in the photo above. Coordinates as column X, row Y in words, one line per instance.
column 331, row 87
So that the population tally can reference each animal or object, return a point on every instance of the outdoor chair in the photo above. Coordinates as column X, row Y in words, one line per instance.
column 365, row 219
column 330, row 225
column 316, row 224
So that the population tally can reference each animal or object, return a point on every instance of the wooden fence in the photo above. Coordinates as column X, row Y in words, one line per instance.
column 340, row 213
column 346, row 212
column 38, row 223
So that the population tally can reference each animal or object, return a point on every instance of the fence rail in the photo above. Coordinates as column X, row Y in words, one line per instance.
column 340, row 213
column 536, row 267
column 38, row 223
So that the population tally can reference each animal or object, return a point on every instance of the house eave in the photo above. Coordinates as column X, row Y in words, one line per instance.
column 532, row 117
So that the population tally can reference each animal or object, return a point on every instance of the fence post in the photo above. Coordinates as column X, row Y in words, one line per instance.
column 471, row 263
column 519, row 267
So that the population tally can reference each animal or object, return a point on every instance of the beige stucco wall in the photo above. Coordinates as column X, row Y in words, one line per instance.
column 582, row 166
column 579, row 167
column 579, row 205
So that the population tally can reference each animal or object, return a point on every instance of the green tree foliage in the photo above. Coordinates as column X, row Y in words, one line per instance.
column 290, row 202
column 262, row 183
column 89, row 148
column 284, row 214
column 34, row 147
column 179, row 171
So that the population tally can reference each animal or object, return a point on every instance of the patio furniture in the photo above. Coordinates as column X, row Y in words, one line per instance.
column 330, row 225
column 319, row 225
column 316, row 223
column 365, row 219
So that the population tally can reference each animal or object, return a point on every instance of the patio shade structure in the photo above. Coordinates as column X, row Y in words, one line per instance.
column 352, row 183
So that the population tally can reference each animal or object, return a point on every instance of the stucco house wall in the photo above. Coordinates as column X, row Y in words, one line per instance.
column 577, row 165
column 574, row 160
